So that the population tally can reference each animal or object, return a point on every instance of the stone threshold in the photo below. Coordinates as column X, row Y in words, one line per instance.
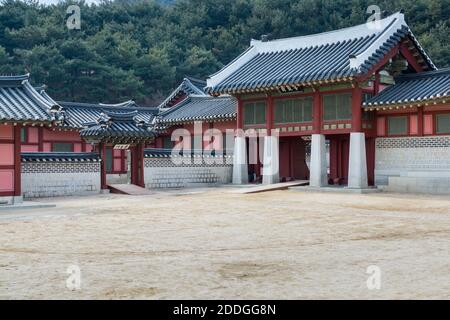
column 26, row 205
column 332, row 189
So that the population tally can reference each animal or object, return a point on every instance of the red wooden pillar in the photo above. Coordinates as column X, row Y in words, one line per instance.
column 317, row 112
column 420, row 121
column 134, row 179
column 269, row 115
column 140, row 157
column 102, row 151
column 41, row 139
column 17, row 162
column 376, row 84
column 357, row 109
column 370, row 154
column 240, row 114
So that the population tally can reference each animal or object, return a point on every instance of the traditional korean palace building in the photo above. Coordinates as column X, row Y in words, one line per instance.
column 358, row 107
column 371, row 91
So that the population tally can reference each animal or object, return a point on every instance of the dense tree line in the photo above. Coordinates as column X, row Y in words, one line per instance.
column 140, row 49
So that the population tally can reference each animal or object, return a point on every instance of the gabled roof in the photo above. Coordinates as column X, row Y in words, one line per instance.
column 327, row 57
column 77, row 114
column 200, row 108
column 188, row 86
column 118, row 128
column 19, row 101
column 413, row 89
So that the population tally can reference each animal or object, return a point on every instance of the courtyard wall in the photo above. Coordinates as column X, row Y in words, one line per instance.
column 166, row 171
column 413, row 164
column 55, row 177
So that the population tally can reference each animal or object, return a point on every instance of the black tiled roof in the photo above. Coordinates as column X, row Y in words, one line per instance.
column 19, row 101
column 200, row 108
column 414, row 88
column 77, row 114
column 59, row 157
column 188, row 86
column 118, row 127
column 167, row 153
column 333, row 56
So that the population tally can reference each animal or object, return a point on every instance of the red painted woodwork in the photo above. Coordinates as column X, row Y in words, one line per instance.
column 29, row 148
column 240, row 115
column 285, row 158
column 339, row 157
column 410, row 58
column 413, row 125
column 420, row 122
column 317, row 112
column 376, row 84
column 7, row 154
column 370, row 156
column 357, row 109
column 137, row 165
column 102, row 151
column 6, row 181
column 17, row 162
column 293, row 159
column 6, row 132
column 41, row 139
column 428, row 124
column 394, row 51
column 47, row 147
column 8, row 160
column 381, row 126
column 269, row 115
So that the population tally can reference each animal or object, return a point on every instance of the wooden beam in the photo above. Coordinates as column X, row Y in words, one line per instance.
column 412, row 60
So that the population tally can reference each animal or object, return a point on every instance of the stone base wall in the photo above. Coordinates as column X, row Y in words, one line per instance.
column 10, row 200
column 53, row 179
column 164, row 173
column 117, row 178
column 413, row 164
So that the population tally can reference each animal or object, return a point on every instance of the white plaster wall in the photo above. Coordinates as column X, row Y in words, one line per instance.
column 60, row 179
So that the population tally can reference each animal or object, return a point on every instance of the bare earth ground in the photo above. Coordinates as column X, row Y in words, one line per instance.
column 218, row 245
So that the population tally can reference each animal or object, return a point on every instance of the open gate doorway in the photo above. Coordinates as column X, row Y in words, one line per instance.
column 120, row 131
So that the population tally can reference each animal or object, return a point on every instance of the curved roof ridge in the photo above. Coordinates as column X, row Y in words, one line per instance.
column 19, row 78
column 187, row 86
column 330, row 37
column 117, row 105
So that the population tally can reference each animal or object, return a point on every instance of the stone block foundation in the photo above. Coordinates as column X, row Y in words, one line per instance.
column 164, row 173
column 53, row 179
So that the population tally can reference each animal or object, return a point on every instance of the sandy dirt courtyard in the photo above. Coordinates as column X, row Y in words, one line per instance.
column 213, row 244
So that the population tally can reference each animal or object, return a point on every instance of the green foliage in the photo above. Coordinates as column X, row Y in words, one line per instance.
column 141, row 49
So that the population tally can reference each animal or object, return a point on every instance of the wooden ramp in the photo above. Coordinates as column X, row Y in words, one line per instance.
column 129, row 189
column 272, row 187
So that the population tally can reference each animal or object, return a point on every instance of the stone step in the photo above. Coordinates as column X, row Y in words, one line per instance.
column 129, row 189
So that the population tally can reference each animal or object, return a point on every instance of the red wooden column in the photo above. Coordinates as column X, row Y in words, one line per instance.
column 357, row 109
column 134, row 174
column 17, row 162
column 420, row 121
column 317, row 112
column 41, row 139
column 376, row 84
column 240, row 114
column 269, row 115
column 140, row 156
column 102, row 151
